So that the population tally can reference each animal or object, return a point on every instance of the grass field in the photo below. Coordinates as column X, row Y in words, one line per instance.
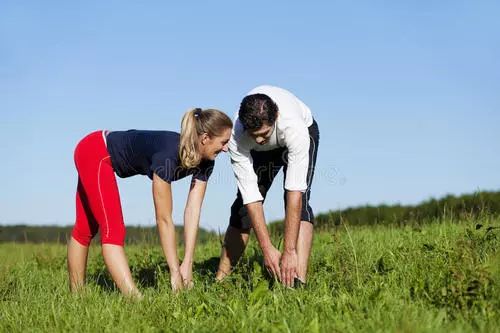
column 441, row 277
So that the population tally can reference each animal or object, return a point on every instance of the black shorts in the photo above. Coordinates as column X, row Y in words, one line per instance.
column 266, row 165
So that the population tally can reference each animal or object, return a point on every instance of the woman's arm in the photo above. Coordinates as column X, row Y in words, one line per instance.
column 162, row 197
column 191, row 222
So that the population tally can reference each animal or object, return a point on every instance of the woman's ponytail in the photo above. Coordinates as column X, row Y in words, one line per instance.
column 194, row 123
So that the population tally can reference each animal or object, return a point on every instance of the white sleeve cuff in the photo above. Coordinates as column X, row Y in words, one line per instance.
column 298, row 189
column 250, row 192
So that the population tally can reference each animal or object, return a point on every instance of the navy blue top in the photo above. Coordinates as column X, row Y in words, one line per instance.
column 137, row 152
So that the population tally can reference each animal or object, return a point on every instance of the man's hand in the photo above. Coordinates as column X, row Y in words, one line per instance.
column 186, row 271
column 288, row 267
column 272, row 261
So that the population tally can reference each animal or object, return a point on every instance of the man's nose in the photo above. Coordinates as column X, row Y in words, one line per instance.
column 225, row 148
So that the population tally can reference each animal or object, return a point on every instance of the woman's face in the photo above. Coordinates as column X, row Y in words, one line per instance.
column 212, row 146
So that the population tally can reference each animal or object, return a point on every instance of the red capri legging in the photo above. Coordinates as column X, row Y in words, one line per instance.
column 98, row 204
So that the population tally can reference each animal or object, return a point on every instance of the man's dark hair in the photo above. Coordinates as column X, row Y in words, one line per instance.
column 257, row 109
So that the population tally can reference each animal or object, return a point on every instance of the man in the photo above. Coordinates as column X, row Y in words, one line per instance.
column 273, row 129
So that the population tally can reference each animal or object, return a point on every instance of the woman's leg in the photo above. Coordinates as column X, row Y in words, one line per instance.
column 101, row 193
column 116, row 262
column 106, row 206
column 78, row 246
column 77, row 264
column 109, row 211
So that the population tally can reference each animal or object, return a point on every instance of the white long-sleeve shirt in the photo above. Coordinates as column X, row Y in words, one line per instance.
column 290, row 131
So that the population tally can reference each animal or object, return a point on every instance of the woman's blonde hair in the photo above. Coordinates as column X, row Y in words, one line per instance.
column 194, row 123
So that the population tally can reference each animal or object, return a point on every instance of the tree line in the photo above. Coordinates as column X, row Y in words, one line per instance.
column 60, row 234
column 450, row 208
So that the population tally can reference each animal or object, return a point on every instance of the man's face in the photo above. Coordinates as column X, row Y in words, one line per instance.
column 262, row 135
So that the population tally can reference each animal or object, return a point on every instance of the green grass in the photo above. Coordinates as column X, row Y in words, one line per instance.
column 441, row 277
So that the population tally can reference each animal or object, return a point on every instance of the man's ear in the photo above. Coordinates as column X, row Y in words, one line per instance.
column 204, row 138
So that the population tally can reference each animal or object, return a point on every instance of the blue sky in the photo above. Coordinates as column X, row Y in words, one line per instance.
column 406, row 94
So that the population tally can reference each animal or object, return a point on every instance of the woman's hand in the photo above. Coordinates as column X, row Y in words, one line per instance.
column 162, row 196
column 186, row 271
column 191, row 219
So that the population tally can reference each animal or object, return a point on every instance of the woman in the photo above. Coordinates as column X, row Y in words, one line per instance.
column 164, row 157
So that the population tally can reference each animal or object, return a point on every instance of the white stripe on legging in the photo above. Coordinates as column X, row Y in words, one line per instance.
column 104, row 135
column 310, row 177
column 100, row 194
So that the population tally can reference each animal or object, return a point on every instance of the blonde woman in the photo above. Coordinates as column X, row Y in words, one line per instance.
column 164, row 157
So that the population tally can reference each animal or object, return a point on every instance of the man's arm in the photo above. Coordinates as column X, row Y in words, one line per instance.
column 297, row 141
column 242, row 164
column 292, row 225
column 271, row 254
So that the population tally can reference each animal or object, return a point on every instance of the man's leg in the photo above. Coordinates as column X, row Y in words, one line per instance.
column 235, row 239
column 304, row 244
column 235, row 242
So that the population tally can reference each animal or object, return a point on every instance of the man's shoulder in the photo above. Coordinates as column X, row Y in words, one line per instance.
column 238, row 134
column 292, row 133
